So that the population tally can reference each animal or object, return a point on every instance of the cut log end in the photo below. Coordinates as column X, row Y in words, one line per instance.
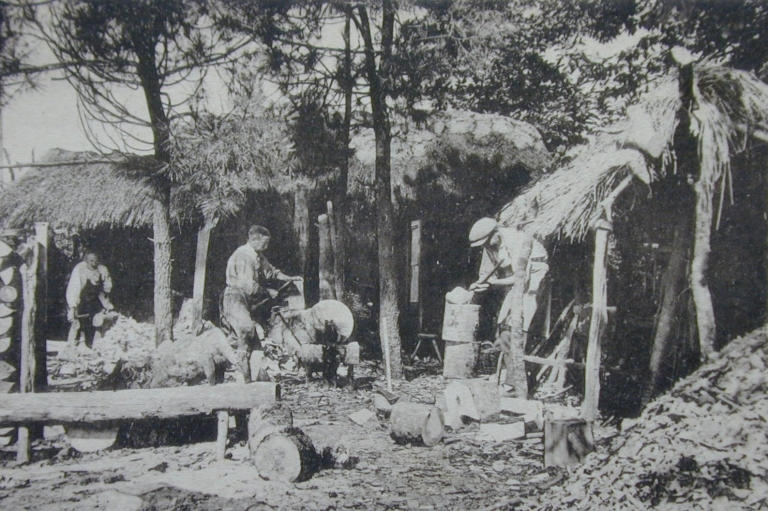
column 416, row 423
column 288, row 455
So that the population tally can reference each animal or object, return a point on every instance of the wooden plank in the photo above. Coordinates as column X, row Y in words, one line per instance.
column 326, row 271
column 40, row 375
column 415, row 261
column 68, row 407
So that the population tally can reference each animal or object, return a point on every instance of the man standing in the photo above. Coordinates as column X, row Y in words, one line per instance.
column 248, row 273
column 521, row 265
column 87, row 295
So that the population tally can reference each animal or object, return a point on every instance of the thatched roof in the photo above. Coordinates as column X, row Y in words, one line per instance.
column 493, row 137
column 730, row 108
column 83, row 195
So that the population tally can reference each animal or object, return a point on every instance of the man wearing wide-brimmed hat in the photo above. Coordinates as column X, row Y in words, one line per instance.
column 520, row 264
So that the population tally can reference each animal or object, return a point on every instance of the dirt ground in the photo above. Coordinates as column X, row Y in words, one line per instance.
column 459, row 473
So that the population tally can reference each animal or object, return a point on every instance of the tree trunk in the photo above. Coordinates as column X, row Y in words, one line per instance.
column 388, row 283
column 705, row 314
column 336, row 251
column 288, row 455
column 301, row 225
column 326, row 270
column 672, row 286
column 161, row 223
column 597, row 323
column 201, row 263
column 161, row 203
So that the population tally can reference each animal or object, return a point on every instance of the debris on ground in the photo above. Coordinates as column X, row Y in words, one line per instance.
column 702, row 445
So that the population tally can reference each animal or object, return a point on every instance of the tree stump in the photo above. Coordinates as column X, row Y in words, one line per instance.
column 286, row 455
column 416, row 423
column 567, row 441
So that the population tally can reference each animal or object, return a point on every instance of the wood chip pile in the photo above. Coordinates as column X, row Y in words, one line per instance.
column 702, row 445
column 127, row 342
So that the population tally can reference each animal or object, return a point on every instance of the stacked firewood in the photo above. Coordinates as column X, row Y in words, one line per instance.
column 700, row 446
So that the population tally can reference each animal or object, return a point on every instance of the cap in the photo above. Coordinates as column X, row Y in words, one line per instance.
column 480, row 231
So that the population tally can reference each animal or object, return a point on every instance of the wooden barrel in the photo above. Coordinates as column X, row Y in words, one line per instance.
column 460, row 324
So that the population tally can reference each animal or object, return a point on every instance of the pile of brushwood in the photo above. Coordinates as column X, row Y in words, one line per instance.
column 126, row 343
column 703, row 445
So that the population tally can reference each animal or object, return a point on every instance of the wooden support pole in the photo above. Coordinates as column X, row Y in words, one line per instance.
column 201, row 263
column 40, row 378
column 163, row 403
column 336, row 251
column 326, row 273
column 702, row 298
column 597, row 321
column 301, row 224
column 29, row 336
column 222, row 432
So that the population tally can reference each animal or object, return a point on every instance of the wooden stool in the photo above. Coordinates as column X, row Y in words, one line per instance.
column 433, row 339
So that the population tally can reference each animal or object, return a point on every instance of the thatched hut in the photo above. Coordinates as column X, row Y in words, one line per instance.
column 677, row 187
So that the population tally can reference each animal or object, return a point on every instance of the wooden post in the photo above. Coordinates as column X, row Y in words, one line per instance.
column 221, row 434
column 597, row 321
column 201, row 263
column 326, row 273
column 702, row 298
column 415, row 264
column 27, row 358
column 336, row 251
column 301, row 224
column 40, row 378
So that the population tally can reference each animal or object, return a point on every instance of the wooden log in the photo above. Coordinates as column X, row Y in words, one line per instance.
column 8, row 294
column 567, row 441
column 597, row 321
column 301, row 224
column 66, row 407
column 201, row 263
column 288, row 455
column 416, row 423
column 6, row 276
column 6, row 311
column 560, row 362
column 5, row 325
column 40, row 378
column 486, row 396
column 5, row 249
column 6, row 370
column 23, row 449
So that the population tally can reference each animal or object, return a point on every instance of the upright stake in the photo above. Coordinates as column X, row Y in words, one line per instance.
column 27, row 359
column 327, row 286
column 201, row 263
column 597, row 321
column 705, row 313
column 337, row 251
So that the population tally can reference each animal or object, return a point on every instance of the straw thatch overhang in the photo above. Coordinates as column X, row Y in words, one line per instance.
column 85, row 191
column 730, row 110
column 492, row 137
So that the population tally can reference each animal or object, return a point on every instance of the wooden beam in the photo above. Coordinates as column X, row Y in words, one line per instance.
column 69, row 407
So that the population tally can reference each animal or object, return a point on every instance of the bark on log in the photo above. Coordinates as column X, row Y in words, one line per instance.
column 287, row 455
column 416, row 423
column 67, row 407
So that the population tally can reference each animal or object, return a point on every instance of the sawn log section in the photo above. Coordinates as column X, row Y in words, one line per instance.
column 69, row 407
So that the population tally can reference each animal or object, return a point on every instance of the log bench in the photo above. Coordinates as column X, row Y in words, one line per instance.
column 135, row 404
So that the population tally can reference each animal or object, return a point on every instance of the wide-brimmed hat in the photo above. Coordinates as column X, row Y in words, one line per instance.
column 481, row 231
